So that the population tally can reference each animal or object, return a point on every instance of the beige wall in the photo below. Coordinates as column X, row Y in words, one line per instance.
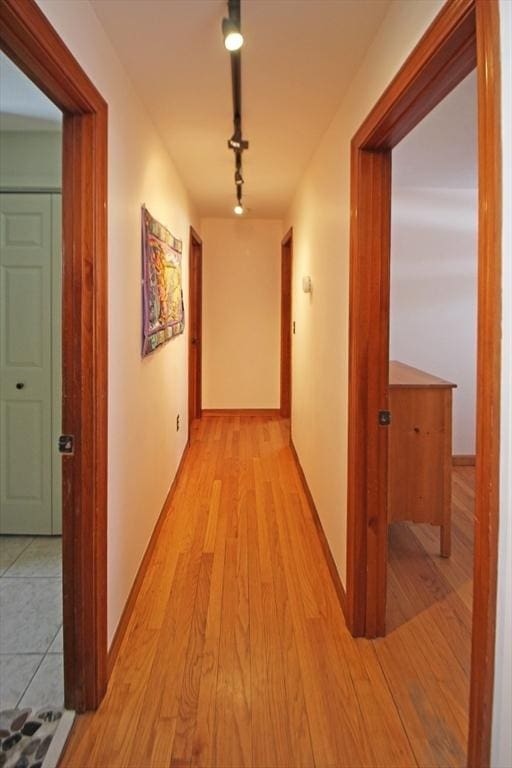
column 320, row 218
column 31, row 159
column 144, row 395
column 241, row 313
column 433, row 292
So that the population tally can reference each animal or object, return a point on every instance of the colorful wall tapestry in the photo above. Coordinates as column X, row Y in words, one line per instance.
column 162, row 294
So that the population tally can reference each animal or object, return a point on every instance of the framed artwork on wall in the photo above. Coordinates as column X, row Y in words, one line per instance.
column 162, row 293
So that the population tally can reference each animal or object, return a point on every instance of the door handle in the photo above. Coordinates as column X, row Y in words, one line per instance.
column 20, row 385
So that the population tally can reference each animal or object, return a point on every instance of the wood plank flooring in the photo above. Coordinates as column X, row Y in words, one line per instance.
column 237, row 653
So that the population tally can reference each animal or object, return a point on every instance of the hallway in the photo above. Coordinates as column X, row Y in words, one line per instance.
column 263, row 204
column 237, row 653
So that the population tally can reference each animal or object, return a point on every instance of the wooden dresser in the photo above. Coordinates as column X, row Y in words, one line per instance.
column 420, row 449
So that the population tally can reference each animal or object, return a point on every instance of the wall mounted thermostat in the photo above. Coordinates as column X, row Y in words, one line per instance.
column 307, row 285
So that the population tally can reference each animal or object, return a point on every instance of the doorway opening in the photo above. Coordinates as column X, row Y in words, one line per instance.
column 31, row 650
column 286, row 324
column 445, row 55
column 195, row 328
column 432, row 402
column 31, row 43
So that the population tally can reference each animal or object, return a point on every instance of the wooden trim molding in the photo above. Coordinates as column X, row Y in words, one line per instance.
column 488, row 382
column 463, row 460
column 444, row 56
column 288, row 237
column 124, row 622
column 333, row 570
column 241, row 411
column 368, row 391
column 30, row 41
column 195, row 236
column 286, row 324
column 465, row 34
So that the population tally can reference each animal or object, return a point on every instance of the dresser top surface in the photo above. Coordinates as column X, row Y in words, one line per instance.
column 402, row 375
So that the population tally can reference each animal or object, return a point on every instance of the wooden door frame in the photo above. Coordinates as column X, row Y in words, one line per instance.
column 195, row 308
column 465, row 34
column 31, row 42
column 286, row 324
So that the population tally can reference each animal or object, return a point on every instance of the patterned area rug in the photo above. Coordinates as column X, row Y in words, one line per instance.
column 26, row 736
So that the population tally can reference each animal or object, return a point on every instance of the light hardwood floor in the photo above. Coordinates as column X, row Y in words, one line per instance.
column 237, row 653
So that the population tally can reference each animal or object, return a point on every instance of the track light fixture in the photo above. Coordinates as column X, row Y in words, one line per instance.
column 233, row 38
column 239, row 208
column 237, row 143
column 239, row 179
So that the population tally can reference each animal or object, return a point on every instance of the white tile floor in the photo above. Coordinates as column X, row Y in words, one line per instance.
column 31, row 660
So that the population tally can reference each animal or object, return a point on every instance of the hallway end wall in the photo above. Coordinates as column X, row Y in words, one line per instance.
column 320, row 215
column 241, row 313
column 145, row 395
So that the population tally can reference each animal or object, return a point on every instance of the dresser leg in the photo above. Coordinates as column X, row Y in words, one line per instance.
column 446, row 540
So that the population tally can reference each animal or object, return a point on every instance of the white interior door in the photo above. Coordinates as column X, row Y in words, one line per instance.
column 27, row 250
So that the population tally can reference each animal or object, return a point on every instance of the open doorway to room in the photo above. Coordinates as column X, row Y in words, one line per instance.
column 31, row 641
column 462, row 37
column 432, row 401
column 195, row 371
column 30, row 42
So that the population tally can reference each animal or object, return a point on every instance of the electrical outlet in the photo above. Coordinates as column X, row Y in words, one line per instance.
column 178, row 423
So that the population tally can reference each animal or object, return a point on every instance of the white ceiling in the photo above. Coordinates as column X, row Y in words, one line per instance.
column 22, row 105
column 442, row 150
column 297, row 61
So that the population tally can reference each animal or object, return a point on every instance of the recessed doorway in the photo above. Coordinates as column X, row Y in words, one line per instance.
column 445, row 55
column 31, row 632
column 432, row 402
column 195, row 327
column 28, row 39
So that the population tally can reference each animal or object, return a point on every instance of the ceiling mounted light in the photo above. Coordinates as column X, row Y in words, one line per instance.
column 238, row 209
column 237, row 143
column 233, row 38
